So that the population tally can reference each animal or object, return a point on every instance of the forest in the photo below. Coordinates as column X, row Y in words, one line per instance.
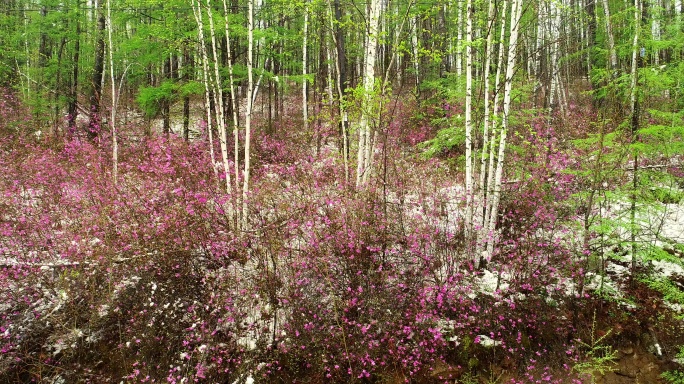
column 341, row 191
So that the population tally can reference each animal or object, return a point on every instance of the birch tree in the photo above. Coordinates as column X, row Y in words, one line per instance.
column 493, row 202
column 487, row 108
column 305, row 112
column 248, row 112
column 218, row 101
column 634, row 117
column 112, row 121
column 365, row 143
column 468, row 120
column 609, row 34
column 197, row 11
column 233, row 98
column 341, row 82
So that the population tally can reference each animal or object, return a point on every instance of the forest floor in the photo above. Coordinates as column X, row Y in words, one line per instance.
column 152, row 279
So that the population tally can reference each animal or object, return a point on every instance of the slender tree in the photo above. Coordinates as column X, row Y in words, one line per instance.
column 469, row 120
column 197, row 11
column 112, row 119
column 363, row 166
column 515, row 14
column 248, row 112
column 94, row 126
column 305, row 108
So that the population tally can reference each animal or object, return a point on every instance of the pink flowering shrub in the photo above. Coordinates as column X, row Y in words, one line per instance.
column 151, row 280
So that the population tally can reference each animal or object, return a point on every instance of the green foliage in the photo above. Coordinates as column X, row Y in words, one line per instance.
column 445, row 140
column 191, row 88
column 670, row 291
column 598, row 357
column 676, row 376
column 151, row 99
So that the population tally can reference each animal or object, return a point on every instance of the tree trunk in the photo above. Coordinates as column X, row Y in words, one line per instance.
column 485, row 136
column 112, row 122
column 218, row 101
column 611, row 40
column 468, row 223
column 590, row 9
column 197, row 10
column 248, row 112
column 233, row 99
column 166, row 103
column 188, row 68
column 73, row 92
column 341, row 66
column 634, row 101
column 94, row 126
column 367, row 109
column 516, row 11
column 305, row 112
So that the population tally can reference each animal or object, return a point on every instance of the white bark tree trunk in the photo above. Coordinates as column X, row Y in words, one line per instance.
column 115, row 143
column 459, row 41
column 554, row 35
column 248, row 112
column 516, row 11
column 635, row 55
column 340, row 94
column 305, row 112
column 609, row 33
column 367, row 108
column 233, row 98
column 414, row 47
column 218, row 101
column 468, row 121
column 494, row 133
column 486, row 122
column 656, row 12
column 197, row 10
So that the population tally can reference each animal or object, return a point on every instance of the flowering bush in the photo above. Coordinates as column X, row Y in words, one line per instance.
column 152, row 280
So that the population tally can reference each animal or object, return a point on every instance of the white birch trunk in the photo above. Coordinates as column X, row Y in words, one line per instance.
column 367, row 108
column 553, row 35
column 485, row 135
column 510, row 66
column 459, row 41
column 494, row 131
column 539, row 47
column 248, row 112
column 635, row 55
column 656, row 11
column 397, row 37
column 609, row 33
column 233, row 98
column 197, row 10
column 218, row 102
column 414, row 47
column 340, row 94
column 305, row 112
column 115, row 143
column 468, row 121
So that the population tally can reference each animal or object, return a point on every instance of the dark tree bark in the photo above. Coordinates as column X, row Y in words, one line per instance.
column 342, row 60
column 58, row 84
column 591, row 34
column 166, row 103
column 73, row 92
column 44, row 50
column 95, row 124
column 188, row 64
